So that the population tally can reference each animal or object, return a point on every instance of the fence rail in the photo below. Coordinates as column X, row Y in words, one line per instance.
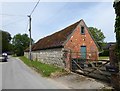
column 95, row 69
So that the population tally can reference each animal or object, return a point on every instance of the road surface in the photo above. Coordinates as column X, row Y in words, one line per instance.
column 16, row 75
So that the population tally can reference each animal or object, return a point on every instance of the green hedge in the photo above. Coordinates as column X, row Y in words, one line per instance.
column 104, row 53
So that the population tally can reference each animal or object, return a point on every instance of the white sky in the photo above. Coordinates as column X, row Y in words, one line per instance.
column 50, row 17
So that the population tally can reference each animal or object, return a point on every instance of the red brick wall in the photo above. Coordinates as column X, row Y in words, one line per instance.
column 77, row 40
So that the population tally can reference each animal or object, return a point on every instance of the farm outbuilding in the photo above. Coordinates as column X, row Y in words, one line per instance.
column 74, row 41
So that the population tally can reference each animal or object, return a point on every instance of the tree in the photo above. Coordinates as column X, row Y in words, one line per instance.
column 6, row 38
column 98, row 36
column 20, row 43
column 117, row 26
column 115, row 50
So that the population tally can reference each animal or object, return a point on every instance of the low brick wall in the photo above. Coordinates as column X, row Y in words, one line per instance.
column 49, row 56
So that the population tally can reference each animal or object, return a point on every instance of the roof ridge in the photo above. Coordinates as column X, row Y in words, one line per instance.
column 56, row 39
column 60, row 30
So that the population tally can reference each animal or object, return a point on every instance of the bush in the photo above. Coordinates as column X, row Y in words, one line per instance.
column 104, row 53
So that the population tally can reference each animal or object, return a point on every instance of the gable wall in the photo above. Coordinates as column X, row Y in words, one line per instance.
column 77, row 40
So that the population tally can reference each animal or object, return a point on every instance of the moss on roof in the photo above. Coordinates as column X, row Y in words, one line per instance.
column 55, row 40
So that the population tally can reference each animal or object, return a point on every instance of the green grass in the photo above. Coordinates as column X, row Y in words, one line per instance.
column 103, row 57
column 44, row 69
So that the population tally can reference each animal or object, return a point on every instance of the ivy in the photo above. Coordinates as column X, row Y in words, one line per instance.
column 117, row 27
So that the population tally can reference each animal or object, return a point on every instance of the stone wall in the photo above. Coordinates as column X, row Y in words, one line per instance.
column 26, row 54
column 49, row 56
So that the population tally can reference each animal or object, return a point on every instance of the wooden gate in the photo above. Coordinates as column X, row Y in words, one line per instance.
column 95, row 69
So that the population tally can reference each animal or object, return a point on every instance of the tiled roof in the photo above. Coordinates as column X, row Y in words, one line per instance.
column 107, row 46
column 55, row 40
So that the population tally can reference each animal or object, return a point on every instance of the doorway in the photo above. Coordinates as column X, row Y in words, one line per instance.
column 83, row 52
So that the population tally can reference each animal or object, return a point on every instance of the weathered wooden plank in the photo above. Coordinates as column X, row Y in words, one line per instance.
column 96, row 70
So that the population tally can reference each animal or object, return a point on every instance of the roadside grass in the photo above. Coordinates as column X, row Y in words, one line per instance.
column 44, row 69
column 104, row 58
column 13, row 55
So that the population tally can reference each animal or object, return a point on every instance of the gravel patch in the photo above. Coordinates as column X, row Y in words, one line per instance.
column 75, row 81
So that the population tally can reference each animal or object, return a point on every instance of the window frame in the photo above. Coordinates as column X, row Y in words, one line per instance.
column 82, row 30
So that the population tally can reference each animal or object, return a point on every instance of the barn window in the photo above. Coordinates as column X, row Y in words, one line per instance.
column 82, row 30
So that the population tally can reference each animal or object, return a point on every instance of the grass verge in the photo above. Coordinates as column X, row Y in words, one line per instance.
column 103, row 58
column 44, row 69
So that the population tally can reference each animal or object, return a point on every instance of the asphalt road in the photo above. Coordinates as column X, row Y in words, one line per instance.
column 16, row 75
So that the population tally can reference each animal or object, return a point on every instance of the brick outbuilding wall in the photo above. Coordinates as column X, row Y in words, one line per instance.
column 77, row 40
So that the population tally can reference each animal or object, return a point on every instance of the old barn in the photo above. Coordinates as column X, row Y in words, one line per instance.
column 74, row 41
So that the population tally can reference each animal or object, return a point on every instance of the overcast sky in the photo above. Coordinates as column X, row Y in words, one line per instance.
column 50, row 17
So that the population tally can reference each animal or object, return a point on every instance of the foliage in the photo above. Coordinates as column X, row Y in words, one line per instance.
column 117, row 27
column 6, row 38
column 104, row 58
column 98, row 36
column 104, row 53
column 20, row 43
column 45, row 69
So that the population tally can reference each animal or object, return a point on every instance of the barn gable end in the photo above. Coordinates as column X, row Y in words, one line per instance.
column 77, row 40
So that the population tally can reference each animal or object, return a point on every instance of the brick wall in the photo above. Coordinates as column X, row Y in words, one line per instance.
column 77, row 40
